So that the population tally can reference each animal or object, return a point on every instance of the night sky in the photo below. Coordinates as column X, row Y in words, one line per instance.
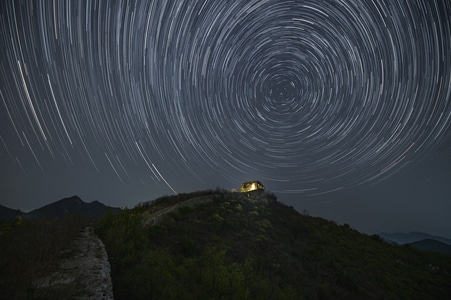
column 339, row 107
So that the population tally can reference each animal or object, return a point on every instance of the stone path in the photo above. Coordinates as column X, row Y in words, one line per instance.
column 83, row 271
column 150, row 219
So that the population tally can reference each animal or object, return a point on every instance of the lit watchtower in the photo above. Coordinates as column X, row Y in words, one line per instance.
column 252, row 186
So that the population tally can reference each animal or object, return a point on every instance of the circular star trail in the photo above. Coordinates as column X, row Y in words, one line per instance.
column 307, row 96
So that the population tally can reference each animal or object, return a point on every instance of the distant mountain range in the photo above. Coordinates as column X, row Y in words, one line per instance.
column 419, row 240
column 407, row 238
column 64, row 207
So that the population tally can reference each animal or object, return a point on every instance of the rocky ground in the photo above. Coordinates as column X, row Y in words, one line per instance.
column 82, row 271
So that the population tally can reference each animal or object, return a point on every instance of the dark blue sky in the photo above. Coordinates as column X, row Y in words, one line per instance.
column 341, row 108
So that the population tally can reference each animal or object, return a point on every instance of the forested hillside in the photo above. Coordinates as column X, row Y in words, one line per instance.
column 218, row 245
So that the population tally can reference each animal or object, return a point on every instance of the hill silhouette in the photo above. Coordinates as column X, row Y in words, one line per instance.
column 431, row 245
column 218, row 245
column 8, row 214
column 407, row 238
column 70, row 206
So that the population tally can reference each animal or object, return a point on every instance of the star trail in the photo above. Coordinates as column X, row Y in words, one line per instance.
column 310, row 97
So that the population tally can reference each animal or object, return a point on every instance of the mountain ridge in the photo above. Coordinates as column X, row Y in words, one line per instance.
column 411, row 237
column 73, row 205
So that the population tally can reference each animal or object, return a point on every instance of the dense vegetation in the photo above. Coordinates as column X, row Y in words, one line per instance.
column 28, row 250
column 253, row 247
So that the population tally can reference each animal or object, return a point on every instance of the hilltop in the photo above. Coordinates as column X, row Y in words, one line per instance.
column 211, row 244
